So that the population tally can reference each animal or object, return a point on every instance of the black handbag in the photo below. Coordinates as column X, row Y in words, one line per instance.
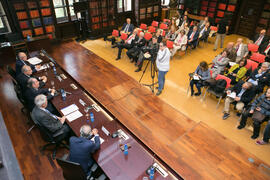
column 257, row 115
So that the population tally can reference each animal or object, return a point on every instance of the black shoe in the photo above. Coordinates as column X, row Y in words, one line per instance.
column 254, row 136
column 138, row 70
column 192, row 92
column 114, row 46
column 117, row 58
column 197, row 94
column 238, row 114
column 132, row 60
column 225, row 116
column 214, row 49
column 240, row 127
column 158, row 93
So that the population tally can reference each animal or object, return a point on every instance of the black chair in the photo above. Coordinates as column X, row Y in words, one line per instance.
column 55, row 139
column 19, row 94
column 11, row 72
column 17, row 42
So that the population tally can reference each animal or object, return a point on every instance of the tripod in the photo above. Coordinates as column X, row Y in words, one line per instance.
column 153, row 74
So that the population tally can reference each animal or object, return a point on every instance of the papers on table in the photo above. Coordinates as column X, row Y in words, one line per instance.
column 101, row 140
column 34, row 60
column 69, row 109
column 42, row 67
column 74, row 115
column 232, row 95
column 195, row 77
column 232, row 63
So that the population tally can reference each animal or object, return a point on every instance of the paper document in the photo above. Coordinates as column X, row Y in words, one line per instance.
column 42, row 67
column 101, row 140
column 69, row 109
column 34, row 60
column 232, row 95
column 75, row 115
column 195, row 77
column 232, row 63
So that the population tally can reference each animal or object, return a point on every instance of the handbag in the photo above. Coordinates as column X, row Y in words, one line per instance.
column 257, row 115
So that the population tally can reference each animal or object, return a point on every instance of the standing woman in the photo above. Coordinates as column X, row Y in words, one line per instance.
column 201, row 74
column 163, row 65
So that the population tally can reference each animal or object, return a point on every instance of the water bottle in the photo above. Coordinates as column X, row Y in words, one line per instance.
column 92, row 117
column 28, row 37
column 151, row 174
column 54, row 70
column 125, row 149
column 64, row 95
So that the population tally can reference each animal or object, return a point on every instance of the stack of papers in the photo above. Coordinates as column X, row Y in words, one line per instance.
column 42, row 67
column 71, row 112
column 195, row 77
column 232, row 95
column 34, row 60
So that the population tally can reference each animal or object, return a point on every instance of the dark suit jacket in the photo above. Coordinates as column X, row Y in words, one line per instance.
column 263, row 42
column 263, row 47
column 247, row 96
column 46, row 120
column 139, row 44
column 205, row 34
column 130, row 28
column 262, row 80
column 81, row 149
column 22, row 80
column 195, row 37
column 20, row 64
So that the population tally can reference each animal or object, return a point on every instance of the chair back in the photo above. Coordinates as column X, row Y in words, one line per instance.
column 163, row 26
column 151, row 29
column 71, row 170
column 11, row 72
column 138, row 33
column 147, row 36
column 228, row 80
column 166, row 20
column 163, row 33
column 213, row 28
column 169, row 44
column 191, row 24
column 253, row 47
column 257, row 57
column 154, row 24
column 115, row 33
column 143, row 26
column 251, row 65
column 124, row 36
column 19, row 94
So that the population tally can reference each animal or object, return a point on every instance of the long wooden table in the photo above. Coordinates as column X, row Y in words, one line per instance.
column 109, row 157
column 193, row 150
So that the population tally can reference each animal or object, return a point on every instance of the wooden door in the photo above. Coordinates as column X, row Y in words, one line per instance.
column 249, row 13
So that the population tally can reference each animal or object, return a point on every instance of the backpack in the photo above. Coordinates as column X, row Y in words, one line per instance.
column 220, row 86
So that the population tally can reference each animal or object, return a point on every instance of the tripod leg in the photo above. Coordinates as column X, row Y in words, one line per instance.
column 144, row 71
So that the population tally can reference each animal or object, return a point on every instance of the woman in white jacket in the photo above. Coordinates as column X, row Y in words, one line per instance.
column 163, row 65
column 179, row 43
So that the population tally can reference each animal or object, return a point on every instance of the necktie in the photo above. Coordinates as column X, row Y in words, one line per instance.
column 126, row 28
column 237, row 48
column 267, row 49
column 130, row 37
column 220, row 58
column 191, row 37
column 52, row 115
column 258, row 40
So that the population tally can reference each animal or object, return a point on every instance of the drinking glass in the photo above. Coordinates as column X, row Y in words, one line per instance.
column 86, row 109
column 52, row 83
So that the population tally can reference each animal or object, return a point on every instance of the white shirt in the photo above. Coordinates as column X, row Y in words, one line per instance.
column 163, row 59
column 239, row 50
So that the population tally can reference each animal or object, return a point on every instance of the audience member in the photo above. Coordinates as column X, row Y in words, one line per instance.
column 260, row 112
column 237, row 71
column 82, row 147
column 231, row 51
column 179, row 43
column 21, row 61
column 193, row 37
column 159, row 35
column 204, row 32
column 126, row 28
column 241, row 94
column 171, row 35
column 203, row 23
column 139, row 42
column 221, row 32
column 163, row 65
column 241, row 50
column 185, row 28
column 184, row 21
column 265, row 50
column 201, row 74
column 266, row 135
column 219, row 63
column 260, row 40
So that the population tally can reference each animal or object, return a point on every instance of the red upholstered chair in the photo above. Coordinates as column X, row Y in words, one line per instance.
column 163, row 33
column 151, row 29
column 115, row 33
column 253, row 47
column 124, row 36
column 213, row 28
column 163, row 26
column 257, row 57
column 228, row 80
column 147, row 36
column 154, row 24
column 251, row 65
column 143, row 26
column 169, row 44
column 139, row 31
column 191, row 23
column 166, row 20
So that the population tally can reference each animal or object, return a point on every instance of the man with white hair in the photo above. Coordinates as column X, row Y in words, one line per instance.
column 21, row 61
column 53, row 123
column 139, row 42
column 82, row 147
column 241, row 50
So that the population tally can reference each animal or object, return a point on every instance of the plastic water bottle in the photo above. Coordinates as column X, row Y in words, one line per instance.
column 54, row 70
column 92, row 117
column 151, row 174
column 28, row 37
column 63, row 94
column 125, row 149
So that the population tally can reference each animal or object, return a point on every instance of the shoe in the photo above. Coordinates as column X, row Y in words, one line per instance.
column 240, row 127
column 197, row 94
column 138, row 70
column 117, row 58
column 225, row 116
column 158, row 93
column 238, row 114
column 254, row 136
column 214, row 49
column 114, row 46
column 192, row 92
column 261, row 142
column 132, row 60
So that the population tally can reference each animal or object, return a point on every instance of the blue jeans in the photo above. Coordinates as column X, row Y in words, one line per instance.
column 161, row 79
column 198, row 85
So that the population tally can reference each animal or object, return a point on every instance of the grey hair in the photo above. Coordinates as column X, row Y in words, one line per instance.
column 85, row 131
column 40, row 100
column 24, row 68
column 266, row 64
column 142, row 33
column 20, row 54
column 30, row 82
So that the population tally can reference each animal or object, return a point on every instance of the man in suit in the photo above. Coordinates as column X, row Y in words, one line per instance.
column 33, row 90
column 203, row 23
column 244, row 93
column 82, row 147
column 126, row 28
column 25, row 75
column 265, row 50
column 21, row 61
column 241, row 50
column 53, row 123
column 204, row 32
column 260, row 40
column 193, row 36
column 231, row 51
column 139, row 42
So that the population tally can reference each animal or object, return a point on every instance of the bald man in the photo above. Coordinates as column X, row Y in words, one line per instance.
column 241, row 50
column 231, row 51
column 21, row 61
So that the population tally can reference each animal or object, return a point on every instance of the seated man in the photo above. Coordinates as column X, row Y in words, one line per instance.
column 244, row 93
column 204, row 32
column 45, row 118
column 231, row 51
column 219, row 64
column 126, row 28
column 266, row 135
column 21, row 61
column 25, row 75
column 260, row 40
column 128, row 44
column 138, row 44
column 193, row 37
column 262, row 106
column 179, row 43
column 203, row 23
column 265, row 50
column 151, row 51
column 82, row 147
column 241, row 50
column 33, row 90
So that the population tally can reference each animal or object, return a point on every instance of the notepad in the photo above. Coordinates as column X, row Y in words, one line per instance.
column 42, row 67
column 101, row 140
column 69, row 109
column 34, row 60
column 232, row 95
column 74, row 115
column 195, row 77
